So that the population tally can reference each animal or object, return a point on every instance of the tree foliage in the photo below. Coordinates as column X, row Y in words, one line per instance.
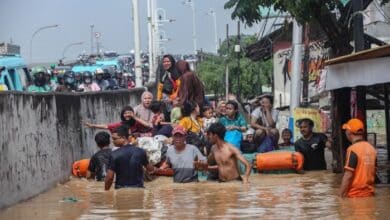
column 337, row 28
column 252, row 75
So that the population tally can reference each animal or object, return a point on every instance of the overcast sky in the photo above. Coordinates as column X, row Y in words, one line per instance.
column 113, row 19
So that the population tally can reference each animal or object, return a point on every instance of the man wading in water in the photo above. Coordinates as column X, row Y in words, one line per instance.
column 226, row 156
column 126, row 163
column 360, row 165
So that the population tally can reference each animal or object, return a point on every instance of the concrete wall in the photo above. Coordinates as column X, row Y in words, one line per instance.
column 42, row 134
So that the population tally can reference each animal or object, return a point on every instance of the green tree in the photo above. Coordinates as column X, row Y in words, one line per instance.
column 337, row 28
column 252, row 74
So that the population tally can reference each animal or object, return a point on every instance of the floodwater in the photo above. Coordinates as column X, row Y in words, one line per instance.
column 268, row 196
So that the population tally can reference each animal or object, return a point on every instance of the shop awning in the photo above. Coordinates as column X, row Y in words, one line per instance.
column 364, row 68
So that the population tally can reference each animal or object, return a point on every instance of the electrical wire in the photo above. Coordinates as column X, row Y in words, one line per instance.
column 266, row 21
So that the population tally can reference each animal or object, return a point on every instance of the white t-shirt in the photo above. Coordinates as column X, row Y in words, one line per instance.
column 258, row 113
column 207, row 122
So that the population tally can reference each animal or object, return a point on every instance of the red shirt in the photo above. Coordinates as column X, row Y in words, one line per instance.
column 136, row 128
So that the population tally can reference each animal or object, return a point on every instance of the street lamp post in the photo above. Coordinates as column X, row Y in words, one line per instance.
column 152, row 76
column 35, row 33
column 68, row 46
column 191, row 3
column 91, row 26
column 214, row 14
column 137, row 55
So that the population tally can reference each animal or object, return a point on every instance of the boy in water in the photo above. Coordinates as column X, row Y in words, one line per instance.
column 226, row 156
column 98, row 164
column 286, row 137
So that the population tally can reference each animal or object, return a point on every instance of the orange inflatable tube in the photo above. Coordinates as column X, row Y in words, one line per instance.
column 164, row 172
column 280, row 160
column 80, row 168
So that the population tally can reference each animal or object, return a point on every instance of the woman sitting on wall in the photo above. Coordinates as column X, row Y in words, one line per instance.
column 168, row 80
column 137, row 126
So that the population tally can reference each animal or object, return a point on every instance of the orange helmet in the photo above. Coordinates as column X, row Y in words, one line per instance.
column 354, row 125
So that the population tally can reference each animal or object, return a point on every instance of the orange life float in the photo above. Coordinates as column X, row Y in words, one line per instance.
column 279, row 160
column 80, row 167
column 164, row 172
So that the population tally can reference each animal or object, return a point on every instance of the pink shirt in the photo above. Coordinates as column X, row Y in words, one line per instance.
column 89, row 87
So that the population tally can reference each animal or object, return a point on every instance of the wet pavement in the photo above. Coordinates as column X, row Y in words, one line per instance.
column 269, row 196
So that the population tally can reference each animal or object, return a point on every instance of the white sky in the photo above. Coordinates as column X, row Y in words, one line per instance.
column 20, row 18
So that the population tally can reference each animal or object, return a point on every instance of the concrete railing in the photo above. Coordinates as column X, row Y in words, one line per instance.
column 41, row 135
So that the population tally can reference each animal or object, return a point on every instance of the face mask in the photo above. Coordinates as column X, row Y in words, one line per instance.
column 39, row 79
column 88, row 80
column 69, row 80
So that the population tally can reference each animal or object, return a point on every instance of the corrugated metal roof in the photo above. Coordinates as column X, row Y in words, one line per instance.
column 377, row 52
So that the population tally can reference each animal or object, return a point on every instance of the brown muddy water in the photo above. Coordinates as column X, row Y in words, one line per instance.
column 312, row 195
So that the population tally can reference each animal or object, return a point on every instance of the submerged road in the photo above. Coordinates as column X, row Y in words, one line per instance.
column 270, row 196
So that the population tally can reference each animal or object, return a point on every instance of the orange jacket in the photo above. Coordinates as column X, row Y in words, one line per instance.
column 174, row 93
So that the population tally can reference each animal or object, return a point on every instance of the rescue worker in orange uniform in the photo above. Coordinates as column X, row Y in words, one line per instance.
column 360, row 166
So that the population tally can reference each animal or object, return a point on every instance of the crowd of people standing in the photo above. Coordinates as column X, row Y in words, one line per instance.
column 52, row 80
column 200, row 137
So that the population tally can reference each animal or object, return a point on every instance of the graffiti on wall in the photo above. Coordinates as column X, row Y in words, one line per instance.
column 283, row 70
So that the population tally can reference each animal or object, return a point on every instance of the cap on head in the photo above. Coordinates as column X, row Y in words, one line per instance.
column 354, row 125
column 250, row 131
column 179, row 130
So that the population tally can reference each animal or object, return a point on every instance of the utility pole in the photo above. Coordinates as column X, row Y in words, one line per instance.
column 237, row 49
column 358, row 31
column 137, row 56
column 227, row 64
column 295, row 94
column 358, row 36
column 306, row 60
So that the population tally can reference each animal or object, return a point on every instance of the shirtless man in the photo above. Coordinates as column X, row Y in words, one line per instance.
column 226, row 156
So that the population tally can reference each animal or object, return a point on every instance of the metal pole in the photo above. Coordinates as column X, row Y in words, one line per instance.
column 33, row 35
column 68, row 46
column 227, row 66
column 152, row 75
column 387, row 116
column 214, row 14
column 216, row 33
column 238, row 50
column 97, row 47
column 358, row 31
column 137, row 56
column 306, row 60
column 272, row 67
column 92, row 38
column 193, row 26
column 156, row 31
column 295, row 94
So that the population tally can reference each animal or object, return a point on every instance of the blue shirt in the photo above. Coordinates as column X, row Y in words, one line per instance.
column 127, row 162
column 238, row 121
